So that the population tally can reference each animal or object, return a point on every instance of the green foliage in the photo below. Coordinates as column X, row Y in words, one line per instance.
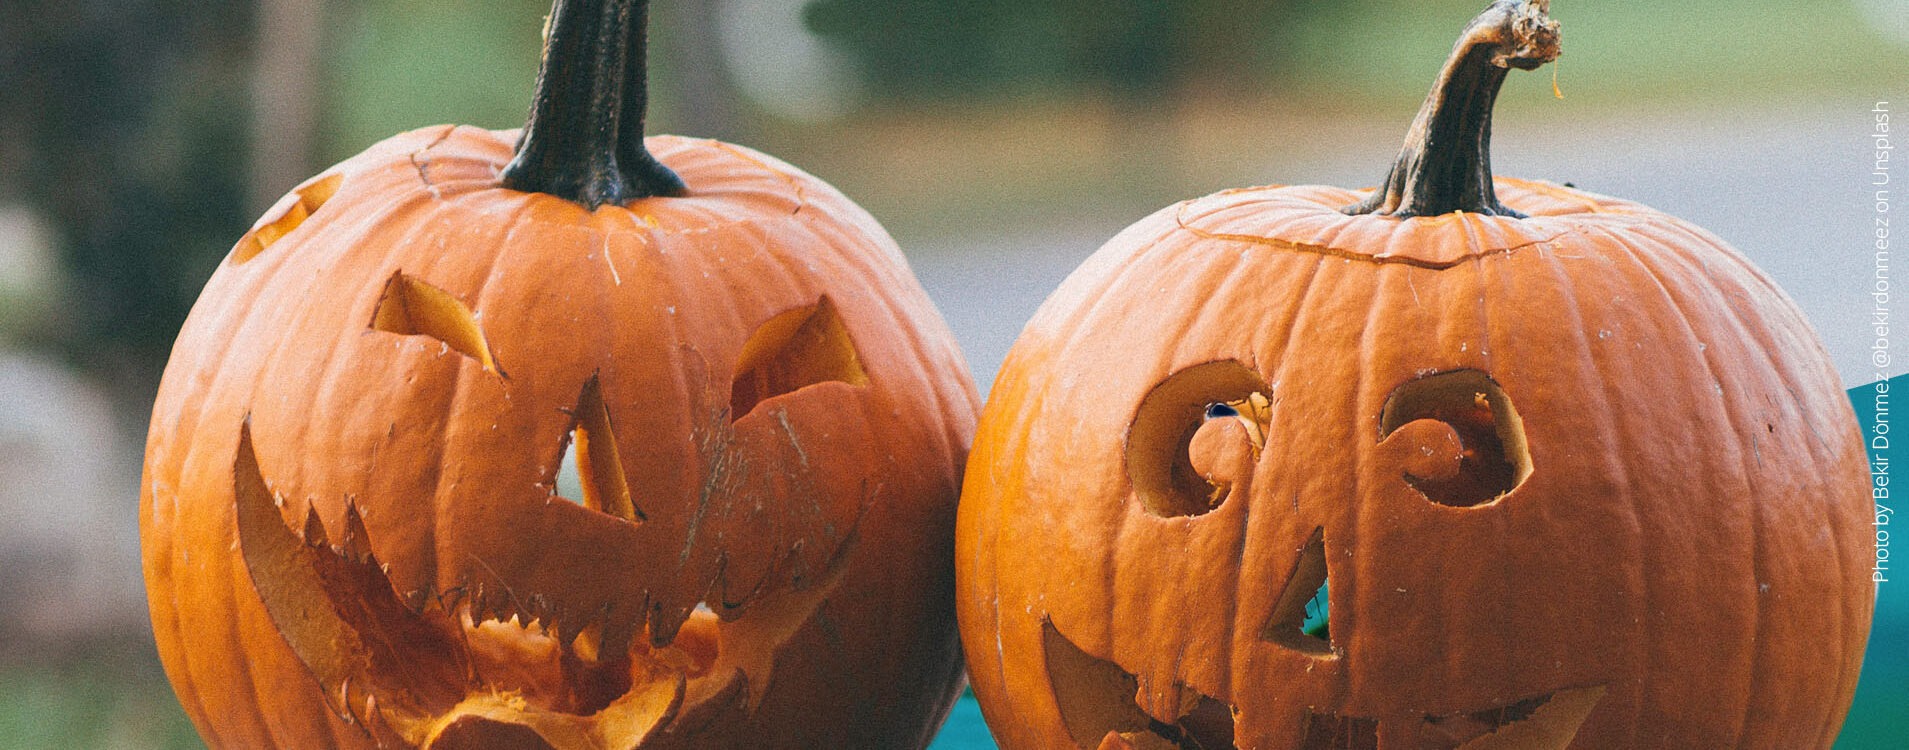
column 1622, row 51
column 123, row 125
column 914, row 49
column 101, row 702
column 399, row 65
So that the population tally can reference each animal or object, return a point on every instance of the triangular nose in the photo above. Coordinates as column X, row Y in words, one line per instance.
column 1301, row 619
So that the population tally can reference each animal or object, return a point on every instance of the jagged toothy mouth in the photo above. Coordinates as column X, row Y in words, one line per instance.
column 473, row 663
column 523, row 647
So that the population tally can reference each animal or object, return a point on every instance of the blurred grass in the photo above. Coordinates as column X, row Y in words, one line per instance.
column 1629, row 51
column 1034, row 157
column 101, row 701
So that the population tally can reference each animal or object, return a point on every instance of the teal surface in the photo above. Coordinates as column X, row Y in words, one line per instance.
column 965, row 729
column 1879, row 719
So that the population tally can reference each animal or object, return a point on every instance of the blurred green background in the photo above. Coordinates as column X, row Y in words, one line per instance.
column 999, row 140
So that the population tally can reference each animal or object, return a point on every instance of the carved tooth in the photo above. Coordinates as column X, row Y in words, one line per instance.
column 357, row 540
column 617, row 633
column 557, row 625
column 539, row 610
column 314, row 529
column 451, row 600
column 588, row 644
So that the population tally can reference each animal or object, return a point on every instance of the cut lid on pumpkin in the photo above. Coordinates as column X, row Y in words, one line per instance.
column 1306, row 219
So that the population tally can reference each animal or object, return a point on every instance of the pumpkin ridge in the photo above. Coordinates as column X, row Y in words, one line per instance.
column 199, row 422
column 1756, row 511
column 1620, row 480
column 443, row 501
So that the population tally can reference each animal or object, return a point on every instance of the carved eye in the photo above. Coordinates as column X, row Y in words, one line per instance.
column 793, row 350
column 286, row 215
column 1459, row 437
column 411, row 307
column 591, row 469
column 1195, row 436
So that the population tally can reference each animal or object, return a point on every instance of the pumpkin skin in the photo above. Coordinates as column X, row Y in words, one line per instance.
column 403, row 362
column 1692, row 536
column 1583, row 479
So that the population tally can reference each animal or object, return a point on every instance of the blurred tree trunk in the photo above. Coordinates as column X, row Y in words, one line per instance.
column 284, row 97
column 125, row 127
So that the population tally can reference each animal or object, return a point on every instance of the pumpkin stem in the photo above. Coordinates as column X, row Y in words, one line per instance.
column 584, row 141
column 1446, row 163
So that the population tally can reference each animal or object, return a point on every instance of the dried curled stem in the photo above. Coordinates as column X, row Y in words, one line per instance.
column 1445, row 165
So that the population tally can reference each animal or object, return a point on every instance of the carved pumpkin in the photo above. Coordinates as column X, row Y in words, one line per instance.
column 353, row 535
column 1433, row 471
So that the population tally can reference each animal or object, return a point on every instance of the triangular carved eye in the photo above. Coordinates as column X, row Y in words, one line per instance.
column 411, row 307
column 286, row 215
column 795, row 349
column 592, row 451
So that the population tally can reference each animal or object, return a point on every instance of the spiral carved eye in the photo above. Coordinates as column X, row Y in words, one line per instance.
column 1458, row 436
column 1197, row 434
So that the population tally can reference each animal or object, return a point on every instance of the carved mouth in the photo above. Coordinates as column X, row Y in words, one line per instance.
column 549, row 646
column 1546, row 722
column 1101, row 705
column 482, row 666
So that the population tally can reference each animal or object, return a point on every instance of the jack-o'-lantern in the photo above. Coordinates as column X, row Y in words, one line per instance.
column 1429, row 471
column 353, row 534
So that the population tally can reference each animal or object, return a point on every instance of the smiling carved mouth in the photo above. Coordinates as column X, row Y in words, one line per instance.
column 1100, row 704
column 1104, row 708
column 474, row 671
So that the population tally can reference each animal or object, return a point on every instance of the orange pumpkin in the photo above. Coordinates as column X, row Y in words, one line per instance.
column 352, row 530
column 1433, row 471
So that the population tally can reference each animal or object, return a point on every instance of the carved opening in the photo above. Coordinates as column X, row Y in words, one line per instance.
column 795, row 349
column 1209, row 726
column 590, row 471
column 385, row 666
column 1097, row 702
column 286, row 215
column 334, row 605
column 1318, row 623
column 1468, row 404
column 1225, row 399
column 1330, row 732
column 410, row 307
column 1547, row 722
column 1301, row 619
